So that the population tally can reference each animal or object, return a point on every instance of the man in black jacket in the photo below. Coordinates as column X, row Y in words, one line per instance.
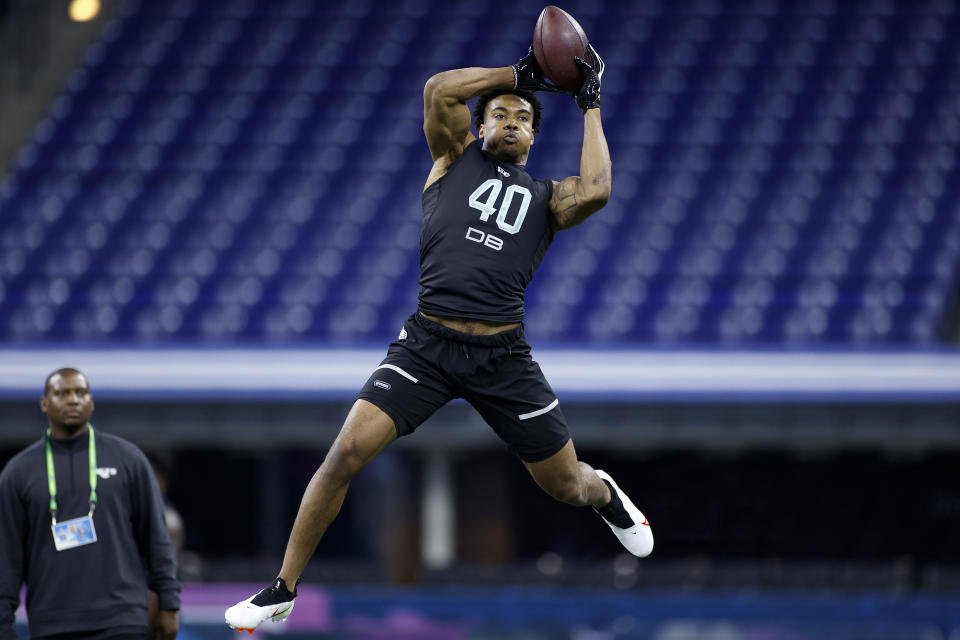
column 81, row 524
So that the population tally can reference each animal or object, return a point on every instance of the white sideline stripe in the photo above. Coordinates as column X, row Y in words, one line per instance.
column 539, row 412
column 626, row 375
column 394, row 367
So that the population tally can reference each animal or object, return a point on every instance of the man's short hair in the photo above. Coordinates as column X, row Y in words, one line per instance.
column 484, row 99
column 63, row 371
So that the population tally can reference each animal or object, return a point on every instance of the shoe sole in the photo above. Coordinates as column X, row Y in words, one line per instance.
column 638, row 539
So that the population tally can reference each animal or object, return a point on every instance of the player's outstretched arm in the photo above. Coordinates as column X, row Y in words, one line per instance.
column 446, row 117
column 576, row 198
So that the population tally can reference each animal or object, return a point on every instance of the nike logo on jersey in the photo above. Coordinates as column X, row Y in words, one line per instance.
column 502, row 171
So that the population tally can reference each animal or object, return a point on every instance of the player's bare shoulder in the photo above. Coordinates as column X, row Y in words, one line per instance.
column 442, row 164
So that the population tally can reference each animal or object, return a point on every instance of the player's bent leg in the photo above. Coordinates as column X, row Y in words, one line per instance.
column 577, row 483
column 365, row 433
column 568, row 480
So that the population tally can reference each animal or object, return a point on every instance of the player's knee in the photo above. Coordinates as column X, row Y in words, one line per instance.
column 343, row 460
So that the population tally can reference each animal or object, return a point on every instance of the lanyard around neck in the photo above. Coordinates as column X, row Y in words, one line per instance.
column 52, row 474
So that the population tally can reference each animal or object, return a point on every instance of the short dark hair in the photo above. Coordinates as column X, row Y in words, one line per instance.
column 63, row 371
column 484, row 99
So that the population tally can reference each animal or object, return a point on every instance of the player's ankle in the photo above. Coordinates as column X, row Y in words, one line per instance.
column 614, row 510
column 605, row 502
column 283, row 588
column 288, row 580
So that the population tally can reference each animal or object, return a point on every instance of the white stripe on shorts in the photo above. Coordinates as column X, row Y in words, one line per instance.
column 398, row 370
column 539, row 412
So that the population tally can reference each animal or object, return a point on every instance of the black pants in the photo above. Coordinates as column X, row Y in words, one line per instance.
column 431, row 364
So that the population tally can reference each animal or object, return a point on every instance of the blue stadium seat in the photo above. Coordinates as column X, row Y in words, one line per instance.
column 231, row 171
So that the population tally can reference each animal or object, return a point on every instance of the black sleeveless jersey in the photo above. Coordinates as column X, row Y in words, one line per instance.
column 486, row 227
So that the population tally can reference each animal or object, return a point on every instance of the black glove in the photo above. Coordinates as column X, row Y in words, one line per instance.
column 589, row 95
column 527, row 75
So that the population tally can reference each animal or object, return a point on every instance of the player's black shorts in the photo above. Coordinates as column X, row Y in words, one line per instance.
column 431, row 364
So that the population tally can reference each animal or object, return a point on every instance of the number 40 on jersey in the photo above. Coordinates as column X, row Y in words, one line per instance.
column 484, row 198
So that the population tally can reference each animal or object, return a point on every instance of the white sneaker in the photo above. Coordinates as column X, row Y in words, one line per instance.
column 626, row 521
column 274, row 603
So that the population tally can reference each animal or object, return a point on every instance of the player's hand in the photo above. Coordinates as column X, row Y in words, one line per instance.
column 589, row 95
column 527, row 75
column 168, row 624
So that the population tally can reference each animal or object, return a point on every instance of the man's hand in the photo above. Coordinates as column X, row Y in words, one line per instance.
column 527, row 75
column 168, row 624
column 589, row 95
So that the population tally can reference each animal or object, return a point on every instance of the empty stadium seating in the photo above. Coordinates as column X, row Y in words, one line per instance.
column 241, row 172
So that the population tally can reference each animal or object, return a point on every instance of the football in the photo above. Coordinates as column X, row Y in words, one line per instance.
column 557, row 39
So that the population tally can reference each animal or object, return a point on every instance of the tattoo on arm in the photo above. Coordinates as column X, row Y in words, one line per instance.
column 565, row 200
column 570, row 205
